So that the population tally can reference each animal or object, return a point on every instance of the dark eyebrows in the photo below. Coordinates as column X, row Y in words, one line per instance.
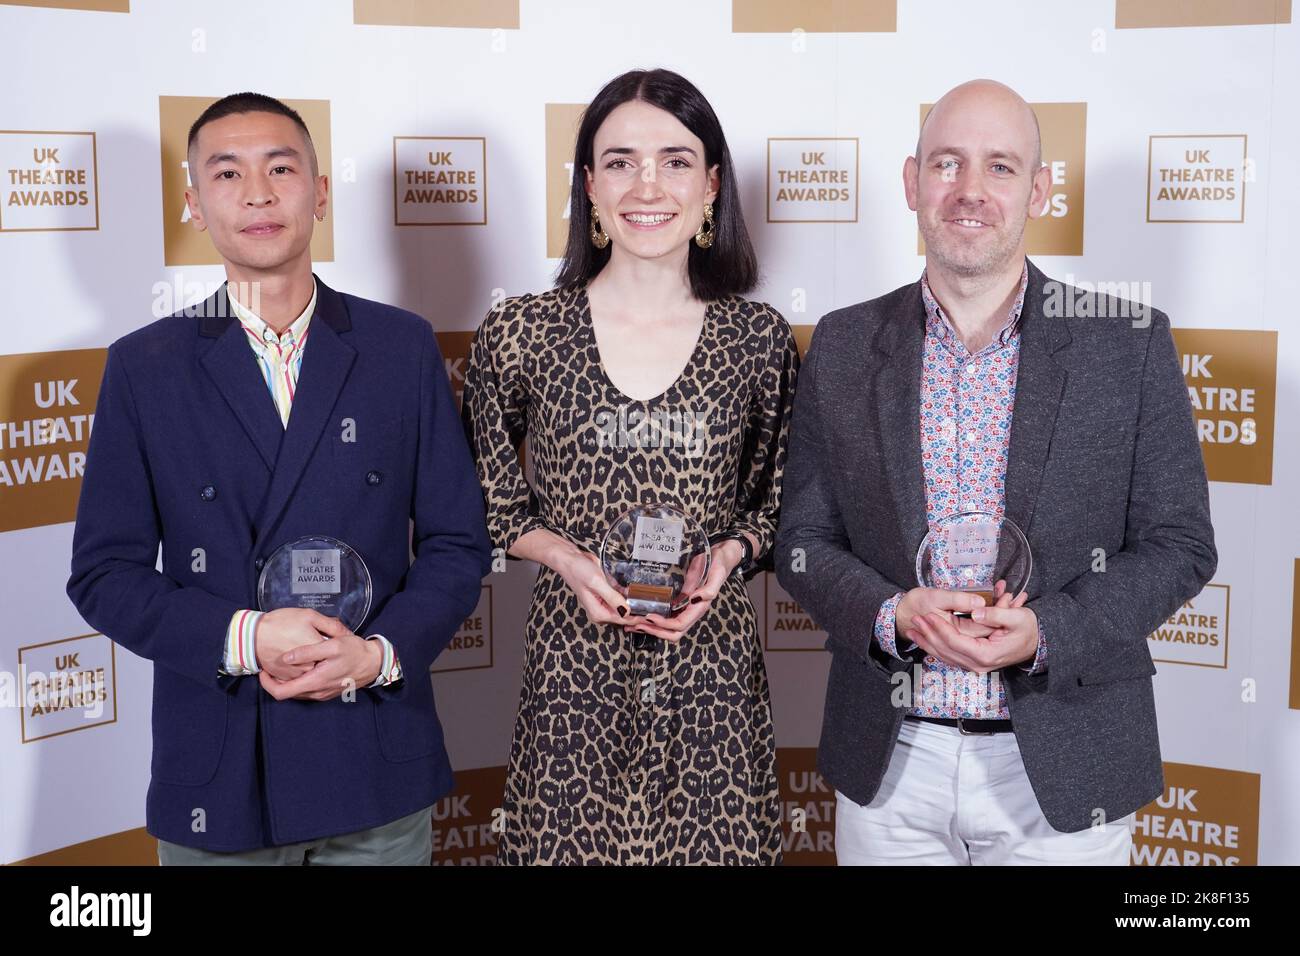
column 628, row 151
column 217, row 158
column 276, row 152
column 282, row 152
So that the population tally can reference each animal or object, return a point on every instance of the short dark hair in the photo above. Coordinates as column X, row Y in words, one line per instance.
column 250, row 103
column 729, row 267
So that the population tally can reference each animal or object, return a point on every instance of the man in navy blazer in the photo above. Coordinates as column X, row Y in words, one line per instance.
column 279, row 409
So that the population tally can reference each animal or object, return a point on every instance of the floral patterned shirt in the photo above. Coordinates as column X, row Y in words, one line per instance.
column 966, row 403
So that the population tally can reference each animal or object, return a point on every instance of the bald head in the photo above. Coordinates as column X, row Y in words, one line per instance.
column 982, row 105
column 976, row 180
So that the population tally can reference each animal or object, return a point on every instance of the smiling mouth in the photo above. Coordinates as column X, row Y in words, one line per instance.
column 969, row 223
column 648, row 220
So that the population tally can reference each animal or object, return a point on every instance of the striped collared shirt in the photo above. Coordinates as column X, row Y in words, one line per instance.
column 278, row 356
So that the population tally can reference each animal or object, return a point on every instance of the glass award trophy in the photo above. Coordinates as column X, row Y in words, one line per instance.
column 320, row 573
column 974, row 551
column 655, row 556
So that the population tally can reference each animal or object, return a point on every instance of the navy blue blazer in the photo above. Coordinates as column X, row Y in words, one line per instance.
column 188, row 450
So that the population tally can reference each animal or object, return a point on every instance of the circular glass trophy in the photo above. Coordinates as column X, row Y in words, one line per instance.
column 655, row 556
column 320, row 573
column 973, row 551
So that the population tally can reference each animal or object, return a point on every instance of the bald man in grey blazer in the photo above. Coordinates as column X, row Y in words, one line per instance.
column 1027, row 732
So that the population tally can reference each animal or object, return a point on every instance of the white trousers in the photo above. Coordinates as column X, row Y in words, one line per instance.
column 952, row 799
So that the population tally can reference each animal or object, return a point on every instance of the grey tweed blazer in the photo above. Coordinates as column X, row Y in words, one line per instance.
column 1104, row 455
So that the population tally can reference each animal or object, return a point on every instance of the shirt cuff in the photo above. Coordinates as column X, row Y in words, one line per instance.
column 390, row 668
column 884, row 631
column 240, row 658
column 1039, row 663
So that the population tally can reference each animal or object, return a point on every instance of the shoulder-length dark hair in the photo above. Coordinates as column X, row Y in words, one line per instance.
column 729, row 266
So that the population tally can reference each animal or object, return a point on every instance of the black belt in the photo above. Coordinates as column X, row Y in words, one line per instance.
column 970, row 726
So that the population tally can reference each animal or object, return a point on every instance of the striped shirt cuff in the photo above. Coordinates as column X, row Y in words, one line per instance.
column 884, row 631
column 390, row 668
column 240, row 658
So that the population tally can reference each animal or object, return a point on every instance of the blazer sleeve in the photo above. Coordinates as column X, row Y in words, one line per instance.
column 115, row 584
column 1168, row 554
column 449, row 540
column 494, row 415
column 766, row 442
column 814, row 560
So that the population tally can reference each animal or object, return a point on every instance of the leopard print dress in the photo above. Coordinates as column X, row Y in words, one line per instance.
column 628, row 749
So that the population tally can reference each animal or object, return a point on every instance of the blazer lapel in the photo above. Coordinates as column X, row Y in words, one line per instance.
column 897, row 401
column 1040, row 384
column 327, row 359
column 234, row 370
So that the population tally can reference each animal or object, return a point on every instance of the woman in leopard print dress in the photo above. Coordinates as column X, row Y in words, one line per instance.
column 639, row 739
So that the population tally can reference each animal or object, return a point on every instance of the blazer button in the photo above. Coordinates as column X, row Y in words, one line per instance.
column 208, row 493
column 373, row 477
column 259, row 564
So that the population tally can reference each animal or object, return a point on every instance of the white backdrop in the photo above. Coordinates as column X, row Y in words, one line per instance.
column 69, row 70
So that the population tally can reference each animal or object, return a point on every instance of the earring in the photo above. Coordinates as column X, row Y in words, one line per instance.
column 599, row 238
column 704, row 238
column 320, row 218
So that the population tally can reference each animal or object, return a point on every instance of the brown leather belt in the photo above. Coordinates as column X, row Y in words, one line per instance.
column 970, row 726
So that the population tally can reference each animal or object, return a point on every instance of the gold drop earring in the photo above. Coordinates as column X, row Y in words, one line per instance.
column 599, row 238
column 704, row 238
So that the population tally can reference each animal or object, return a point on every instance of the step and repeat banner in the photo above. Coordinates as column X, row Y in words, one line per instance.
column 446, row 126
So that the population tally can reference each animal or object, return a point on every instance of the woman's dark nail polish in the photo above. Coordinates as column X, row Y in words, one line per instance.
column 622, row 611
column 696, row 600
